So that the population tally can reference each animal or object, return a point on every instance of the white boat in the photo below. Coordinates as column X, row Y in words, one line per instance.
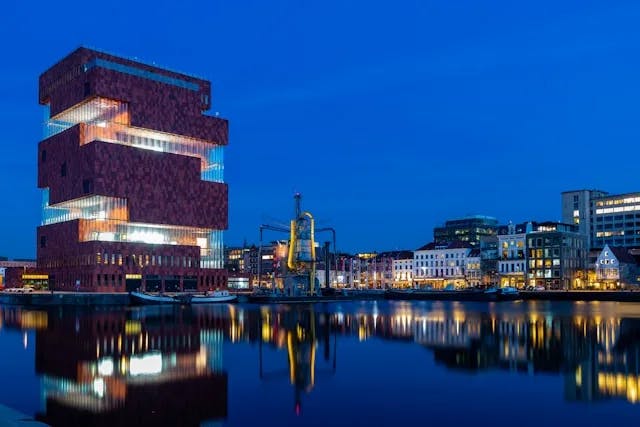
column 152, row 299
column 216, row 296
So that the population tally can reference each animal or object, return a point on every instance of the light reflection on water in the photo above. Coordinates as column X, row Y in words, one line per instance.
column 169, row 365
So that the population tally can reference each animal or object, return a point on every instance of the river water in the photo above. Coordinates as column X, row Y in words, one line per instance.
column 357, row 363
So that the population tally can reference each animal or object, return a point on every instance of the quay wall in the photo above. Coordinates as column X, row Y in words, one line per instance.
column 620, row 296
column 65, row 298
column 89, row 299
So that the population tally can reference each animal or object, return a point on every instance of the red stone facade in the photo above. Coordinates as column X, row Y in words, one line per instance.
column 13, row 276
column 152, row 104
column 160, row 188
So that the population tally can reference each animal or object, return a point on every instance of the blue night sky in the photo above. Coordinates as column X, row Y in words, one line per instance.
column 389, row 117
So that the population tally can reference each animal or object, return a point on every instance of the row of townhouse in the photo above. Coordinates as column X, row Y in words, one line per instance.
column 252, row 266
column 545, row 254
column 548, row 254
column 477, row 251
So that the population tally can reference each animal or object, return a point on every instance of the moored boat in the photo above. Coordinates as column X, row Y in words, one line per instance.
column 145, row 298
column 216, row 296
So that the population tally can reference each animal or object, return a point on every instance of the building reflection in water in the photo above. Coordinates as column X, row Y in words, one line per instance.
column 597, row 355
column 165, row 366
column 128, row 367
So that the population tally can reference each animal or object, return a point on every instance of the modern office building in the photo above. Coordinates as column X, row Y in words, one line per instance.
column 607, row 219
column 489, row 260
column 616, row 220
column 131, row 173
column 556, row 256
column 468, row 229
column 577, row 208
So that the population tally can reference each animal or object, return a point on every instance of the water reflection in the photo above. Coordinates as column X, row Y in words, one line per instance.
column 297, row 329
column 160, row 367
column 164, row 366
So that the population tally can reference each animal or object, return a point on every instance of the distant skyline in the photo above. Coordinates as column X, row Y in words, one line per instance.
column 399, row 115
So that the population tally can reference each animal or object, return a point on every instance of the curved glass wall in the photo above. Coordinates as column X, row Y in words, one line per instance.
column 108, row 121
column 122, row 231
column 93, row 207
column 213, row 257
column 98, row 111
column 209, row 241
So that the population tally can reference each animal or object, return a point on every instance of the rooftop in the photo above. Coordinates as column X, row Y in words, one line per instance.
column 437, row 246
column 584, row 189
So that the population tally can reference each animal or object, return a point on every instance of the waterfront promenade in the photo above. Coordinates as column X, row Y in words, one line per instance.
column 46, row 298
